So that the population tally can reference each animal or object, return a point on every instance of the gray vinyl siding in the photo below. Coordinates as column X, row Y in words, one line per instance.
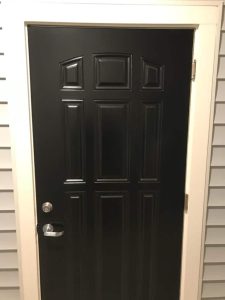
column 213, row 281
column 9, row 279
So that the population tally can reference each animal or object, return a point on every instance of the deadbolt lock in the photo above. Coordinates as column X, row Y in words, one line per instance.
column 47, row 207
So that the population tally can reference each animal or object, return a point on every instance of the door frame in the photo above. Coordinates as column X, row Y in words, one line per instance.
column 205, row 17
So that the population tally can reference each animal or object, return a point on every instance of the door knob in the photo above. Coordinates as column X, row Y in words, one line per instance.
column 47, row 207
column 48, row 230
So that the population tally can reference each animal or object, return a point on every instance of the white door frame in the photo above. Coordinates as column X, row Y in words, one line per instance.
column 205, row 16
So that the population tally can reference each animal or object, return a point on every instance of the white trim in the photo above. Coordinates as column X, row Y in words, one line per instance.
column 205, row 209
column 206, row 18
column 111, row 14
column 134, row 2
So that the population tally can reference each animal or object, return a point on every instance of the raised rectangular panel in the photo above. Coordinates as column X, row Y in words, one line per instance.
column 217, row 197
column 112, row 71
column 219, row 113
column 77, row 250
column 10, row 294
column 8, row 241
column 151, row 141
column 214, row 254
column 152, row 75
column 75, row 212
column 74, row 141
column 7, row 221
column 6, row 182
column 216, row 216
column 213, row 289
column 4, row 137
column 215, row 236
column 8, row 260
column 221, row 71
column 6, row 201
column 9, row 278
column 147, row 226
column 214, row 272
column 218, row 156
column 222, row 43
column 112, row 142
column 217, row 177
column 71, row 74
column 220, row 92
column 4, row 114
column 111, row 223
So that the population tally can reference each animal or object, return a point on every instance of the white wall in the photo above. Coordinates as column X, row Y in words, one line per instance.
column 214, row 254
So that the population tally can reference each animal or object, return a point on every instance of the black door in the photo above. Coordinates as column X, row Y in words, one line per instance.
column 110, row 118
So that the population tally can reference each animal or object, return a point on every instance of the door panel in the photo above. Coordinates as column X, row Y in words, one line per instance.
column 111, row 241
column 151, row 141
column 112, row 71
column 110, row 118
column 112, row 156
column 74, row 141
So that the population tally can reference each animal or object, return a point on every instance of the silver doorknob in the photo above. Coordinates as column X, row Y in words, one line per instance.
column 47, row 207
column 48, row 230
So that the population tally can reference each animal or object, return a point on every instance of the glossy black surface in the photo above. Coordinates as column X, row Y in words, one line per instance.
column 110, row 117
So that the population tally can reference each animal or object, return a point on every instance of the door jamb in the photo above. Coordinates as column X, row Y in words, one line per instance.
column 206, row 18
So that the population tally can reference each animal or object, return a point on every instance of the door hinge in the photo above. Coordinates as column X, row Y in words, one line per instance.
column 193, row 70
column 186, row 200
column 38, row 227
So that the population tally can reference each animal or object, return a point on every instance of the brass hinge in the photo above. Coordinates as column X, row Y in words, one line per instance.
column 186, row 199
column 193, row 71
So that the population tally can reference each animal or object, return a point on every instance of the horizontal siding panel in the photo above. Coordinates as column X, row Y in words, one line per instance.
column 214, row 254
column 219, row 135
column 218, row 156
column 6, row 182
column 221, row 72
column 213, row 289
column 2, row 66
column 215, row 236
column 10, row 294
column 217, row 197
column 7, row 221
column 9, row 278
column 8, row 241
column 214, row 272
column 220, row 113
column 5, row 158
column 5, row 137
column 217, row 177
column 212, row 298
column 4, row 113
column 8, row 260
column 222, row 43
column 223, row 23
column 6, row 201
column 220, row 96
column 3, row 90
column 216, row 216
column 2, row 45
